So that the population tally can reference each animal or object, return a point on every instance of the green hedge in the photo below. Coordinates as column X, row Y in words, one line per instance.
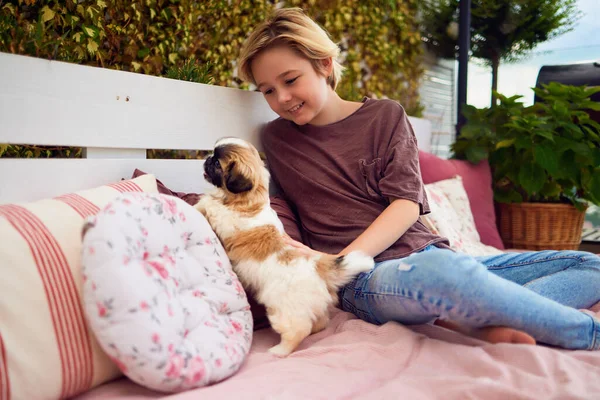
column 379, row 38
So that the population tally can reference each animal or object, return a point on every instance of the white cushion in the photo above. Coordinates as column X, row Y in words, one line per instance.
column 46, row 348
column 161, row 296
column 452, row 218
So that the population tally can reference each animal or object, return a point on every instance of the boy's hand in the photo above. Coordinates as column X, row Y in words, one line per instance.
column 303, row 249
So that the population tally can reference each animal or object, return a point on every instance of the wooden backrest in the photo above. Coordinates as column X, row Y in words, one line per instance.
column 116, row 116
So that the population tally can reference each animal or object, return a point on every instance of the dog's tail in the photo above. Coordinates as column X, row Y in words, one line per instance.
column 339, row 270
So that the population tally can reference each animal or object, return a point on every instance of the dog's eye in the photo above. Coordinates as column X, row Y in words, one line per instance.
column 217, row 164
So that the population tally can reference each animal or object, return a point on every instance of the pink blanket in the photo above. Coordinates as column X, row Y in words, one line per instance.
column 354, row 359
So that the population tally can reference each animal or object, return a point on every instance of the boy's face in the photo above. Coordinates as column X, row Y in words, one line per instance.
column 291, row 86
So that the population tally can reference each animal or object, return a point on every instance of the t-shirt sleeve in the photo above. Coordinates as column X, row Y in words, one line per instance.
column 401, row 175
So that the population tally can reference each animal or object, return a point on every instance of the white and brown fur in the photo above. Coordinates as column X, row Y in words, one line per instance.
column 296, row 290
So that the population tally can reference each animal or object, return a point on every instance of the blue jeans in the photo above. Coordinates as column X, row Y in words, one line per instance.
column 535, row 292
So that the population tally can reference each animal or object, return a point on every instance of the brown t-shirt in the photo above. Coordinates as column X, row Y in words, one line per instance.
column 338, row 178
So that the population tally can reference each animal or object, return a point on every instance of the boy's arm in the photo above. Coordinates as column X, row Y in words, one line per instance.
column 382, row 233
column 387, row 228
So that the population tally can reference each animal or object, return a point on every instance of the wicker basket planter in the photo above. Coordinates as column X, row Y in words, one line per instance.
column 540, row 226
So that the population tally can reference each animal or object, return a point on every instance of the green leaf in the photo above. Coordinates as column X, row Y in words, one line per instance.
column 567, row 168
column 595, row 186
column 476, row 153
column 510, row 196
column 545, row 133
column 551, row 190
column 591, row 133
column 90, row 31
column 592, row 105
column 472, row 130
column 589, row 91
column 523, row 142
column 532, row 177
column 547, row 158
column 505, row 143
column 578, row 147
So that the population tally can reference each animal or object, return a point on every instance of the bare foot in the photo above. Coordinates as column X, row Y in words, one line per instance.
column 492, row 334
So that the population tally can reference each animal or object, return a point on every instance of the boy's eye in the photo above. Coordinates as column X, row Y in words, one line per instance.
column 290, row 81
column 268, row 91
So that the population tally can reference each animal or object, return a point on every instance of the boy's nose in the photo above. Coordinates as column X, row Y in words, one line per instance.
column 284, row 96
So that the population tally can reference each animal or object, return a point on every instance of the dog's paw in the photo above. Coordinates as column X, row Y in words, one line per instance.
column 279, row 351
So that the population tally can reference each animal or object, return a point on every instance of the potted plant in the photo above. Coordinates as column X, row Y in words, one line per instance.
column 545, row 162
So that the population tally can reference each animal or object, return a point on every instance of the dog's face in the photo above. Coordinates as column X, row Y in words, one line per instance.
column 235, row 167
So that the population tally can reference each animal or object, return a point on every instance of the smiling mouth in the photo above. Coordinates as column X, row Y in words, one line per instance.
column 296, row 108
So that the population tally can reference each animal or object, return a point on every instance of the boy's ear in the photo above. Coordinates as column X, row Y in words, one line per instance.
column 328, row 65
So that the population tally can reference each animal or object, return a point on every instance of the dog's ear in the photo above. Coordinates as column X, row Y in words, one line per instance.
column 238, row 178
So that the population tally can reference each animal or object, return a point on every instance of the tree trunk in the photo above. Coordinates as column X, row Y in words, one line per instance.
column 495, row 63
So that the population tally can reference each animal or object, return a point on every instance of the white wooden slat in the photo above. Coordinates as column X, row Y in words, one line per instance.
column 56, row 103
column 23, row 180
column 53, row 103
column 103, row 152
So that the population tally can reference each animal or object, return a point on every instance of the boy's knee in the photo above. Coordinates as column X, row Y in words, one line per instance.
column 438, row 268
column 443, row 261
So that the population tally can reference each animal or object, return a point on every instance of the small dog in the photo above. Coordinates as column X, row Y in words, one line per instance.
column 295, row 289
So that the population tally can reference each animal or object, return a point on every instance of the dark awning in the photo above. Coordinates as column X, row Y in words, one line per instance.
column 573, row 74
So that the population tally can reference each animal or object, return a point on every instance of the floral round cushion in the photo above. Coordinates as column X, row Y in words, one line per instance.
column 160, row 294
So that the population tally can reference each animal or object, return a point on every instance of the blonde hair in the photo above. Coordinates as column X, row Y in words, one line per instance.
column 291, row 27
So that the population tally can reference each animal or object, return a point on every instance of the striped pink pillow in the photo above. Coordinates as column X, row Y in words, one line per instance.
column 46, row 347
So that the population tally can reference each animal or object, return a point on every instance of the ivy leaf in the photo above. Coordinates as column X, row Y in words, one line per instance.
column 90, row 31
column 143, row 52
column 92, row 46
column 101, row 3
column 532, row 177
column 9, row 7
column 47, row 14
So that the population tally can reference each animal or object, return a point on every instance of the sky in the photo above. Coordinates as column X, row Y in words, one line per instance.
column 582, row 44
